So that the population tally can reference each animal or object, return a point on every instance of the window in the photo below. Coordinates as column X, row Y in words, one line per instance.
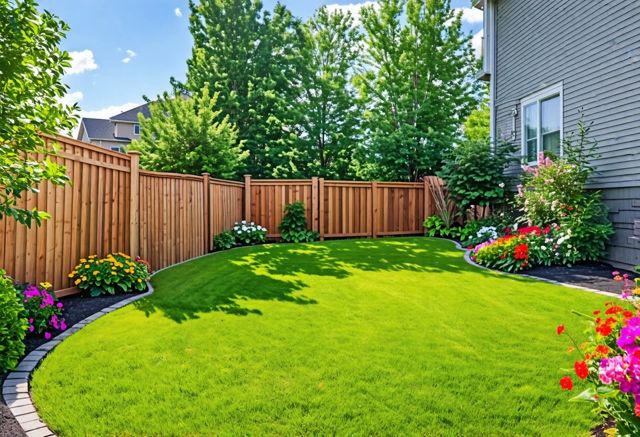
column 116, row 148
column 136, row 129
column 542, row 123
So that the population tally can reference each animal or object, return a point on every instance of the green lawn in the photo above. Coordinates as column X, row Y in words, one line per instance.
column 361, row 337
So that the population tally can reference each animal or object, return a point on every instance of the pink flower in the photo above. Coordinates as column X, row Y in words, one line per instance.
column 31, row 291
column 31, row 328
column 47, row 335
column 629, row 335
column 63, row 325
column 59, row 305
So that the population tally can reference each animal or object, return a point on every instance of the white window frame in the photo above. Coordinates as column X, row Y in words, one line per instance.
column 136, row 126
column 554, row 90
column 115, row 148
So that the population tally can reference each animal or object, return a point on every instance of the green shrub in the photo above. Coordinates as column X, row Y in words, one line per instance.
column 474, row 173
column 112, row 274
column 224, row 240
column 13, row 325
column 293, row 227
column 436, row 227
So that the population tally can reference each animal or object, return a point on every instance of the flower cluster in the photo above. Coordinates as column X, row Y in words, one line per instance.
column 610, row 359
column 114, row 273
column 509, row 253
column 43, row 311
column 249, row 233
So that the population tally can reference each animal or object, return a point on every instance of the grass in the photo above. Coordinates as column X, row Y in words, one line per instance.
column 362, row 337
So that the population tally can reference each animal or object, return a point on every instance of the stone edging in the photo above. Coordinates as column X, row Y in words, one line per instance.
column 467, row 258
column 15, row 389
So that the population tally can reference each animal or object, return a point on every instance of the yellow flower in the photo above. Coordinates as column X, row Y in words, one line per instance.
column 113, row 273
column 72, row 274
column 82, row 260
column 96, row 272
column 84, row 278
column 92, row 256
column 636, row 290
column 86, row 266
column 139, row 280
column 45, row 285
column 113, row 268
column 78, row 281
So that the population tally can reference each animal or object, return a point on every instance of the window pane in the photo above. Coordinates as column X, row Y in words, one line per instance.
column 551, row 142
column 550, row 117
column 532, row 149
column 530, row 121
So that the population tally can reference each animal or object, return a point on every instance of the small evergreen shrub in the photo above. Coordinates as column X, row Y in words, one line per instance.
column 224, row 240
column 13, row 325
column 293, row 227
column 115, row 273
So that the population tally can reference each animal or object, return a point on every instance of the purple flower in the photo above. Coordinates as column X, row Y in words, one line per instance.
column 47, row 335
column 31, row 328
column 629, row 335
column 30, row 320
column 54, row 321
column 63, row 325
column 31, row 291
column 59, row 305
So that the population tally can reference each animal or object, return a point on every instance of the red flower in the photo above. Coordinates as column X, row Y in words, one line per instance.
column 627, row 314
column 530, row 230
column 582, row 371
column 521, row 251
column 603, row 350
column 470, row 246
column 596, row 312
column 560, row 329
column 566, row 383
column 636, row 410
column 614, row 309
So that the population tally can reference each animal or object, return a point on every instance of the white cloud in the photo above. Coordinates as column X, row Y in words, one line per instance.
column 109, row 111
column 354, row 8
column 471, row 15
column 476, row 42
column 81, row 62
column 71, row 98
column 130, row 55
column 178, row 12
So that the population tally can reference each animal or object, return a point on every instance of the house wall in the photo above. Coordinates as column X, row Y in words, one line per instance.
column 593, row 48
column 125, row 130
column 108, row 144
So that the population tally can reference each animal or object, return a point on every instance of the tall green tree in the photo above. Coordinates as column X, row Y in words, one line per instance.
column 188, row 134
column 476, row 126
column 417, row 85
column 254, row 60
column 31, row 70
column 331, row 110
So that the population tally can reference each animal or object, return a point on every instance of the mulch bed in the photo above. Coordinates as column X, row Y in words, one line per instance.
column 76, row 308
column 590, row 275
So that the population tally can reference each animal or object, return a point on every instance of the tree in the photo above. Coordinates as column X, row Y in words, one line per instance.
column 31, row 69
column 254, row 60
column 476, row 126
column 187, row 134
column 416, row 85
column 331, row 111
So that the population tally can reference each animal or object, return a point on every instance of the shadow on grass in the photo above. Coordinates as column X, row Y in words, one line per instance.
column 225, row 281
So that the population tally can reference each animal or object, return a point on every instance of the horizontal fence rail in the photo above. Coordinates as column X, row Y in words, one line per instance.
column 111, row 205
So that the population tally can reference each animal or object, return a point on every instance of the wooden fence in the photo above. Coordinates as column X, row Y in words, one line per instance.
column 113, row 206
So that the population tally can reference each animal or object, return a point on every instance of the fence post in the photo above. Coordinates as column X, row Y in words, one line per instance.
column 427, row 200
column 134, row 206
column 314, row 204
column 374, row 209
column 321, row 208
column 247, row 197
column 207, row 212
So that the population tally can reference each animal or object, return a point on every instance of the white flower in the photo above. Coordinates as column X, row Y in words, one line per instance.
column 543, row 247
column 501, row 184
column 244, row 222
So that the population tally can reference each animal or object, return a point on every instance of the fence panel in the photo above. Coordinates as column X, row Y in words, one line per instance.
column 400, row 208
column 346, row 209
column 226, row 203
column 268, row 198
column 89, row 216
column 172, row 218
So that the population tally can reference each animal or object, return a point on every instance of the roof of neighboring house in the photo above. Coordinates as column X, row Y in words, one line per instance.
column 131, row 115
column 98, row 128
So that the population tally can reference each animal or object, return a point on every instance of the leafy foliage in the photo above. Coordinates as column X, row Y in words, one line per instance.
column 474, row 173
column 415, row 85
column 254, row 60
column 331, row 110
column 115, row 273
column 293, row 227
column 224, row 240
column 476, row 126
column 436, row 227
column 13, row 325
column 31, row 69
column 187, row 134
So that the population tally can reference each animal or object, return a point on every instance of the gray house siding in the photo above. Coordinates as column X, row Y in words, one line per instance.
column 593, row 49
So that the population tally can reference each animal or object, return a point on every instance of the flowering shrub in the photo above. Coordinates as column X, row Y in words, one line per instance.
column 112, row 274
column 609, row 362
column 249, row 233
column 44, row 312
column 13, row 324
column 509, row 253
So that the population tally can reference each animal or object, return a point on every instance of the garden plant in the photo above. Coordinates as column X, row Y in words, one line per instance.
column 13, row 324
column 115, row 273
column 293, row 227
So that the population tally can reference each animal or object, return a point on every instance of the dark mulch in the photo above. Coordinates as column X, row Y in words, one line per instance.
column 591, row 275
column 76, row 308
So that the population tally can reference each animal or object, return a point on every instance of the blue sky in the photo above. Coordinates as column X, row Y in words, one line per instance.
column 123, row 50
